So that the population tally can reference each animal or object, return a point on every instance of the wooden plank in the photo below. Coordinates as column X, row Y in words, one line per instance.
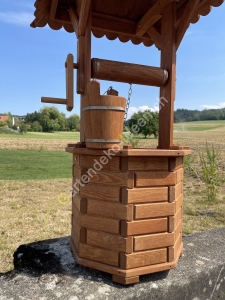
column 155, row 179
column 177, row 217
column 75, row 240
column 189, row 11
column 53, row 100
column 100, row 163
column 74, row 19
column 171, row 194
column 151, row 17
column 76, row 214
column 171, row 225
column 153, row 241
column 144, row 195
column 143, row 211
column 110, row 210
column 53, row 8
column 81, row 63
column 125, row 280
column 141, row 259
column 101, row 192
column 178, row 202
column 101, row 224
column 147, row 163
column 178, row 230
column 168, row 61
column 69, row 83
column 177, row 246
column 98, row 254
column 171, row 254
column 124, row 163
column 156, row 36
column 143, row 226
column 76, row 160
column 76, row 201
column 178, row 189
column 110, row 241
column 83, row 17
column 76, row 229
column 175, row 163
column 111, row 178
column 180, row 174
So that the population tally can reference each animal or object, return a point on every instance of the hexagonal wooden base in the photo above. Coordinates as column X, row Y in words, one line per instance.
column 127, row 210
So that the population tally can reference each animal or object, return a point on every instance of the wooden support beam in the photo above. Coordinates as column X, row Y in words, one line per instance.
column 167, row 92
column 129, row 73
column 83, row 17
column 185, row 20
column 74, row 19
column 53, row 9
column 69, row 82
column 151, row 17
column 53, row 100
column 156, row 36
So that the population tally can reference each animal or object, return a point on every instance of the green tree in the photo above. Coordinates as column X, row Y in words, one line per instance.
column 72, row 122
column 35, row 126
column 33, row 117
column 51, row 119
column 146, row 123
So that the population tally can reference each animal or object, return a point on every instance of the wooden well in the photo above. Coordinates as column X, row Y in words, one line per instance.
column 127, row 210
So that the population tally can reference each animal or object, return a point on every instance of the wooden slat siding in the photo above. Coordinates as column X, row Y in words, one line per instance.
column 177, row 217
column 143, row 227
column 147, row 163
column 94, row 162
column 110, row 210
column 76, row 228
column 170, row 254
column 98, row 254
column 178, row 189
column 75, row 240
column 101, row 224
column 112, row 178
column 124, row 163
column 185, row 20
column 83, row 235
column 144, row 211
column 178, row 202
column 155, row 179
column 76, row 160
column 177, row 246
column 175, row 163
column 153, row 241
column 77, row 172
column 151, row 17
column 171, row 194
column 125, row 280
column 178, row 230
column 141, row 259
column 76, row 214
column 180, row 174
column 76, row 201
column 101, row 192
column 110, row 241
column 168, row 61
column 144, row 195
column 171, row 225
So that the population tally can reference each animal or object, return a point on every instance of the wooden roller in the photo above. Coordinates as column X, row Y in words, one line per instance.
column 129, row 73
column 69, row 102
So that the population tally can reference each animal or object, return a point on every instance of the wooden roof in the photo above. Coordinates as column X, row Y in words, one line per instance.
column 138, row 21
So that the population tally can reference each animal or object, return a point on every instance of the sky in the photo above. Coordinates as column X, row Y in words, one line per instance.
column 32, row 63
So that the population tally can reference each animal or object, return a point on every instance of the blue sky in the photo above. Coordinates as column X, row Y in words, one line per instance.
column 32, row 63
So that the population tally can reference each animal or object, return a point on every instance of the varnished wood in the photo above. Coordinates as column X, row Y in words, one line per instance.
column 151, row 17
column 102, row 224
column 81, row 65
column 168, row 61
column 53, row 100
column 144, row 195
column 144, row 211
column 128, row 73
column 125, row 280
column 69, row 83
column 185, row 20
column 53, row 8
column 144, row 179
column 101, row 192
column 153, row 241
column 74, row 19
column 83, row 17
column 141, row 259
column 175, row 163
column 91, row 161
column 156, row 36
column 148, row 163
column 143, row 226
column 110, row 241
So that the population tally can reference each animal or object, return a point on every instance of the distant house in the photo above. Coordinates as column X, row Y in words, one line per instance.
column 4, row 118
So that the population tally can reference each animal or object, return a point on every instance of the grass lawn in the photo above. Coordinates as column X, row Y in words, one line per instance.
column 58, row 135
column 199, row 125
column 34, row 164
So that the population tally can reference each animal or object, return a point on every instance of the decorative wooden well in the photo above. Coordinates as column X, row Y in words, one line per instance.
column 126, row 203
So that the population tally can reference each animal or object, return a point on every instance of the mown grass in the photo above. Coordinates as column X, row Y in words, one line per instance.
column 33, row 164
column 199, row 125
column 59, row 135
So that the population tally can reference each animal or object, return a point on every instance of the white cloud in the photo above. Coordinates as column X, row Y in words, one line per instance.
column 21, row 18
column 133, row 110
column 208, row 106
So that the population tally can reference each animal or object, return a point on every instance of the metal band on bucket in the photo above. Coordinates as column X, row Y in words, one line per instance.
column 104, row 108
column 102, row 141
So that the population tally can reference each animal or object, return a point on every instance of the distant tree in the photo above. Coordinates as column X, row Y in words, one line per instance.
column 23, row 127
column 51, row 119
column 35, row 126
column 146, row 123
column 72, row 122
column 3, row 124
column 33, row 117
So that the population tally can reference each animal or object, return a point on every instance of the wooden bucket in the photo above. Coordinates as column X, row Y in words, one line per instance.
column 103, row 118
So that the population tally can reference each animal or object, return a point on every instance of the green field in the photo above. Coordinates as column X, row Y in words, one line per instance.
column 59, row 135
column 199, row 126
column 33, row 164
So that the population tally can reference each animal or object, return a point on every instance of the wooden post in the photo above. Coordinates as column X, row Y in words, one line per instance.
column 84, row 62
column 168, row 62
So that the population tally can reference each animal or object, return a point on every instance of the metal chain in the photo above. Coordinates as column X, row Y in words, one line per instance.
column 128, row 101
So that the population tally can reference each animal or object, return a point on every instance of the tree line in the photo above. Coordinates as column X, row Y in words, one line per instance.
column 186, row 115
